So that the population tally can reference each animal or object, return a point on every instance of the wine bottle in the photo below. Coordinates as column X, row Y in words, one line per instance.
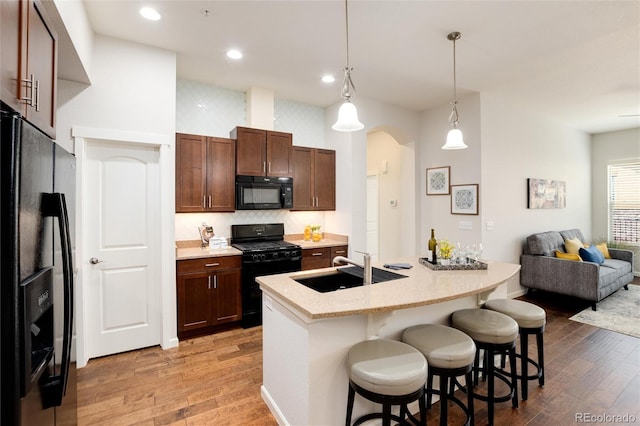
column 432, row 246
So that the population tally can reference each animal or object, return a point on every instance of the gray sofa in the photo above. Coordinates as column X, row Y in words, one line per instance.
column 540, row 269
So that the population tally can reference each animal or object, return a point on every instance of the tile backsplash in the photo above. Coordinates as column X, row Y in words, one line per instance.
column 294, row 222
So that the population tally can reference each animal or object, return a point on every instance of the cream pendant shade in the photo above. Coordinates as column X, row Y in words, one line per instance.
column 454, row 137
column 454, row 140
column 347, row 118
column 347, row 114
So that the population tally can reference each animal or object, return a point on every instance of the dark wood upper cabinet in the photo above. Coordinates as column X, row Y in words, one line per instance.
column 314, row 178
column 262, row 152
column 324, row 178
column 11, row 14
column 205, row 174
column 28, row 58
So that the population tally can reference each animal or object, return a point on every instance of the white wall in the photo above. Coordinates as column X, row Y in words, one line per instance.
column 465, row 169
column 351, row 174
column 133, row 88
column 516, row 145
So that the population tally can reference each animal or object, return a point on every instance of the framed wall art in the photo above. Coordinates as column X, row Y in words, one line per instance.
column 464, row 199
column 546, row 194
column 438, row 180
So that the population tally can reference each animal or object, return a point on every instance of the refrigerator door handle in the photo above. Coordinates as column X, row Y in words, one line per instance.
column 55, row 205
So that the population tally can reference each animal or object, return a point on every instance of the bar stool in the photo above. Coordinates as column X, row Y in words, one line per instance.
column 531, row 319
column 450, row 353
column 387, row 372
column 494, row 333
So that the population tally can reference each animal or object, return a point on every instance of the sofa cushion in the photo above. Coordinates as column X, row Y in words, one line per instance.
column 544, row 243
column 570, row 234
column 573, row 245
column 604, row 250
column 621, row 266
column 567, row 256
column 607, row 276
column 591, row 254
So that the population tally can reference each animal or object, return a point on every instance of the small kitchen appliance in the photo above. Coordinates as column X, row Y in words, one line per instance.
column 263, row 193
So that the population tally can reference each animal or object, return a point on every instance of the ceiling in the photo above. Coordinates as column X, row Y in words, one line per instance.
column 575, row 61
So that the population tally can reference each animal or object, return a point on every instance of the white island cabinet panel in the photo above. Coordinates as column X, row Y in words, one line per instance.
column 302, row 383
column 305, row 380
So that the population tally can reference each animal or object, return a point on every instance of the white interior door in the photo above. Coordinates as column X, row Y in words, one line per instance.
column 122, row 247
column 372, row 216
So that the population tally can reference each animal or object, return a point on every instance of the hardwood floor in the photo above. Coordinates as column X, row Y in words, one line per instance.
column 215, row 380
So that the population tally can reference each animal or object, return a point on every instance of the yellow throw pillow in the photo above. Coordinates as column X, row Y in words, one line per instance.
column 573, row 246
column 604, row 250
column 567, row 256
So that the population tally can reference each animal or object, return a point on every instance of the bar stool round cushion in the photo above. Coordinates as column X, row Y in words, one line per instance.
column 443, row 347
column 387, row 367
column 526, row 314
column 486, row 326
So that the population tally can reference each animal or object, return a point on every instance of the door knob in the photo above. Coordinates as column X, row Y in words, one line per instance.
column 94, row 261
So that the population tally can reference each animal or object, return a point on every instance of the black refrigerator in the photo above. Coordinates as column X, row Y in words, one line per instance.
column 37, row 182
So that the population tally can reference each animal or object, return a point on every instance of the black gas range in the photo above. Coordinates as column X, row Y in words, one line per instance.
column 264, row 252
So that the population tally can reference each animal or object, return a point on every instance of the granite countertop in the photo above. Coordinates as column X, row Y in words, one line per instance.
column 422, row 286
column 191, row 249
column 328, row 240
column 185, row 253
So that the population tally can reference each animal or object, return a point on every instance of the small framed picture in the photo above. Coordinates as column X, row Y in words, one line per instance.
column 464, row 199
column 438, row 180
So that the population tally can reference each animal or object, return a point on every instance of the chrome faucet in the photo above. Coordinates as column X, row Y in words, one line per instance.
column 367, row 271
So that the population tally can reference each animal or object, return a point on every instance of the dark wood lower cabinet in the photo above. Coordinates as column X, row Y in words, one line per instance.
column 315, row 258
column 209, row 294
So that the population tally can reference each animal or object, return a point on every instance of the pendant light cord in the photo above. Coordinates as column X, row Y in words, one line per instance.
column 455, row 96
column 346, row 16
column 453, row 118
column 347, row 85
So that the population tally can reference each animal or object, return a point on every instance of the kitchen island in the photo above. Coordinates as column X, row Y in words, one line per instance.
column 306, row 334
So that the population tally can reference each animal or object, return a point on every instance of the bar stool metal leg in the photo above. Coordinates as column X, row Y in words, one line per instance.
column 531, row 320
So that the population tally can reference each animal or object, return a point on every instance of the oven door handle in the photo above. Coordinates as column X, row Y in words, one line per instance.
column 282, row 260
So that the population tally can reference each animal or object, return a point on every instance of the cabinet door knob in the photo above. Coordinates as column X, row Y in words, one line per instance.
column 95, row 261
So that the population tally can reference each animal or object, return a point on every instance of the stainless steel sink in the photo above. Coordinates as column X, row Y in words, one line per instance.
column 346, row 277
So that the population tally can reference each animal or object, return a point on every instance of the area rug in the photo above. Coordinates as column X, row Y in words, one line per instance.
column 619, row 312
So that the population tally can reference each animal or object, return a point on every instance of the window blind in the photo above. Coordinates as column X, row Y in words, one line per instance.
column 624, row 202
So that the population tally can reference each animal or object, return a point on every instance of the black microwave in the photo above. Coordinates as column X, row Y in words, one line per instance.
column 263, row 193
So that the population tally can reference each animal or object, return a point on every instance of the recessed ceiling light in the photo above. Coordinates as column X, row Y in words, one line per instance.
column 328, row 78
column 150, row 14
column 234, row 54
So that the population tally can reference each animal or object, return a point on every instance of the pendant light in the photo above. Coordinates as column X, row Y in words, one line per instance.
column 347, row 114
column 454, row 137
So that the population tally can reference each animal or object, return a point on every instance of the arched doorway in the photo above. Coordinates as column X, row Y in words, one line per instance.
column 390, row 194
